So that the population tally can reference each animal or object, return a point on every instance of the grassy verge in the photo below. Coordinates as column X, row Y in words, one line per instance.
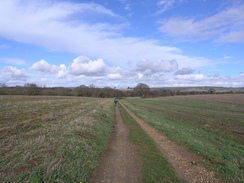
column 155, row 168
column 61, row 142
column 210, row 128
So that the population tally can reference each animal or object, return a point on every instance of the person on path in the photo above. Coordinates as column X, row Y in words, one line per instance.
column 115, row 101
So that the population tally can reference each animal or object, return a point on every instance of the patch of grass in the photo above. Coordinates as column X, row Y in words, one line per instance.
column 155, row 168
column 62, row 142
column 211, row 130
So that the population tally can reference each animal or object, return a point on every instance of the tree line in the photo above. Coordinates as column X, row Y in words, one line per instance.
column 140, row 90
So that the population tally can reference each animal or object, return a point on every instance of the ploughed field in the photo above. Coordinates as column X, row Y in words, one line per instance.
column 52, row 139
column 211, row 126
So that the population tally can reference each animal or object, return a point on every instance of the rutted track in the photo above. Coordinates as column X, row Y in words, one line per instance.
column 182, row 160
column 119, row 162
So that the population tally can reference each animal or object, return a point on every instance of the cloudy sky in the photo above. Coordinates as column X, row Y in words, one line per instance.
column 120, row 43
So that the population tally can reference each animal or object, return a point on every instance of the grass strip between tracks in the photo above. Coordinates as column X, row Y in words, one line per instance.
column 155, row 167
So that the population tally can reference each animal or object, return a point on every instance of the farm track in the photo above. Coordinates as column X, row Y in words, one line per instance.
column 185, row 163
column 119, row 162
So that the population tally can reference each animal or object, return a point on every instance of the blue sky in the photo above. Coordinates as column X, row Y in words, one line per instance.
column 120, row 43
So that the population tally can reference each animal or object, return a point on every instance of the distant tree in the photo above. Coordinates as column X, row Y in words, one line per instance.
column 211, row 90
column 3, row 89
column 2, row 85
column 87, row 91
column 62, row 91
column 108, row 91
column 81, row 90
column 92, row 86
column 32, row 89
column 154, row 93
column 93, row 91
column 142, row 89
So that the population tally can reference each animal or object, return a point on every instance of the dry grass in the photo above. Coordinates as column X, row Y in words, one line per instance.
column 48, row 139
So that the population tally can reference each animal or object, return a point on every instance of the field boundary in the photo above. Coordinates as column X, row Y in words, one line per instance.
column 185, row 163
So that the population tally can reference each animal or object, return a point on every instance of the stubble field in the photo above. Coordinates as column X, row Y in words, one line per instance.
column 52, row 139
column 212, row 126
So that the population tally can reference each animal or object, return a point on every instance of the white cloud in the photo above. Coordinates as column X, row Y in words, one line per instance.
column 45, row 68
column 83, row 66
column 140, row 75
column 95, row 8
column 63, row 26
column 12, row 75
column 127, row 7
column 225, row 26
column 86, row 71
column 160, row 80
column 62, row 71
column 164, row 5
column 234, row 37
column 115, row 76
column 185, row 71
column 190, row 77
column 150, row 67
column 57, row 26
column 212, row 80
column 228, row 57
column 80, row 66
column 12, row 61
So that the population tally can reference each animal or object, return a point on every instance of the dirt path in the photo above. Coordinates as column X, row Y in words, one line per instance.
column 119, row 162
column 184, row 162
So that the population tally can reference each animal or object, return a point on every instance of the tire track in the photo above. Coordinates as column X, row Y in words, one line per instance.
column 184, row 162
column 119, row 162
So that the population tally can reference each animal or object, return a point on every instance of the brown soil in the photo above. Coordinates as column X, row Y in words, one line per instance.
column 186, row 164
column 119, row 162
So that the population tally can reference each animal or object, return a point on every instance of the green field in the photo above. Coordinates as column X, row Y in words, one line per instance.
column 52, row 139
column 155, row 167
column 60, row 139
column 211, row 126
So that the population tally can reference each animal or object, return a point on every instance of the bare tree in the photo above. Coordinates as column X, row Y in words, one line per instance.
column 82, row 90
column 32, row 89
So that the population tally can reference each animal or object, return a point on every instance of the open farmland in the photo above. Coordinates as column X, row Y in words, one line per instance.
column 211, row 126
column 52, row 139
